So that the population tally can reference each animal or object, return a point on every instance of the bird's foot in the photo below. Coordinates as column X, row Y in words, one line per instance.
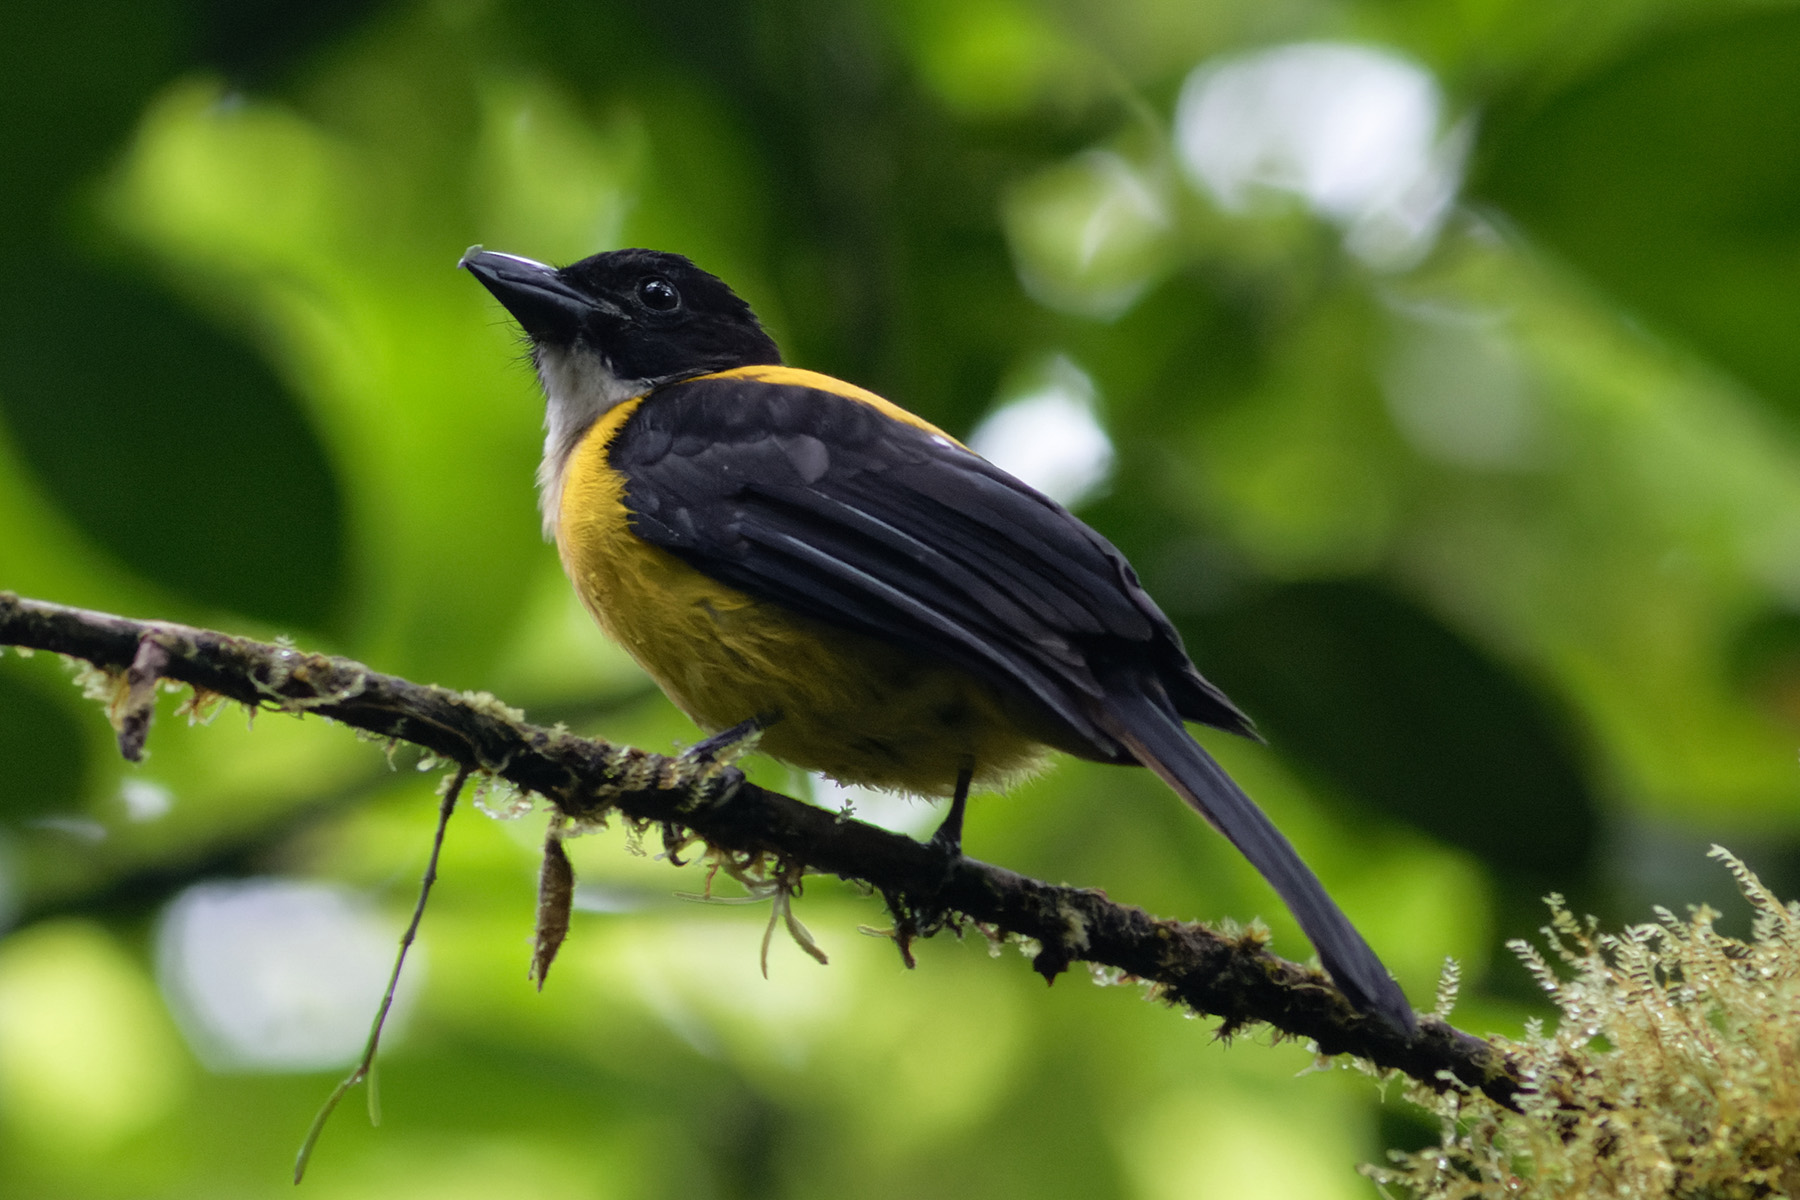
column 729, row 745
column 946, row 843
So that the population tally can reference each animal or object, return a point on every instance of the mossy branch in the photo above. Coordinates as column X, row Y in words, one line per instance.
column 1235, row 978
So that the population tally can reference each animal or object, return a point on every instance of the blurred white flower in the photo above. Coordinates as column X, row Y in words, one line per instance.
column 1351, row 130
column 144, row 800
column 1049, row 436
column 278, row 975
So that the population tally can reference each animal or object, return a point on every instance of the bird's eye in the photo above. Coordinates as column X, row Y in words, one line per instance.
column 658, row 294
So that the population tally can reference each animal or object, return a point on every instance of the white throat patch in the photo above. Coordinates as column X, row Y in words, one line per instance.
column 579, row 388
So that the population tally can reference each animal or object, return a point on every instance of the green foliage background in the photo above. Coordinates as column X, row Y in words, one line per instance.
column 242, row 386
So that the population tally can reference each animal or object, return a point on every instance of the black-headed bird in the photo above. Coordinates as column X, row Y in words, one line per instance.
column 784, row 551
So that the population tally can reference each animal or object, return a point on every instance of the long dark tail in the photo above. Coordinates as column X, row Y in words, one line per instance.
column 1157, row 738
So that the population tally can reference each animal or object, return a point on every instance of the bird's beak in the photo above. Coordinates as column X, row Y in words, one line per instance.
column 548, row 308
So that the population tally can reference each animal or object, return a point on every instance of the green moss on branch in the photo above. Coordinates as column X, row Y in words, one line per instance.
column 762, row 833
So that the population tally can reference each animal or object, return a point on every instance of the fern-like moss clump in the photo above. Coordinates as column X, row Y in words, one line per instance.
column 1673, row 1072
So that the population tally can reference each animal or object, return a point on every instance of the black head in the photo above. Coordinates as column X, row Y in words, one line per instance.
column 651, row 315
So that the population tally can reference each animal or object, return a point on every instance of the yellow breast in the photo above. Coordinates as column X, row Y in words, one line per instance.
column 852, row 707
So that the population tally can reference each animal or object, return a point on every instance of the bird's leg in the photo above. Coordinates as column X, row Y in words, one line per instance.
column 728, row 744
column 948, row 838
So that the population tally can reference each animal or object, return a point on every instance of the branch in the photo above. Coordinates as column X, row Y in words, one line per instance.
column 1235, row 978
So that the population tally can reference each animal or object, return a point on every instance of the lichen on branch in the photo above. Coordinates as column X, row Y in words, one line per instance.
column 1234, row 977
column 1674, row 1070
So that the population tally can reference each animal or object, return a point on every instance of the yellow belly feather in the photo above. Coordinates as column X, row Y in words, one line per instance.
column 851, row 707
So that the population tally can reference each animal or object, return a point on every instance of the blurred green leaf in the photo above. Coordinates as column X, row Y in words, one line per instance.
column 42, row 750
column 173, row 446
column 1670, row 176
column 1408, row 717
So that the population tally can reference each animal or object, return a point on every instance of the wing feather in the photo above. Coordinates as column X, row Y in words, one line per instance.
column 816, row 501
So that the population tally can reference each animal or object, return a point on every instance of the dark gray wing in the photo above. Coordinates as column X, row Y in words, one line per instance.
column 824, row 504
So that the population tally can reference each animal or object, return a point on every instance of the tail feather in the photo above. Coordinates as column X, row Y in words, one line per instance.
column 1156, row 737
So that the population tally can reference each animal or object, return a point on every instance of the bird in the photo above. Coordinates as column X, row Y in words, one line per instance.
column 792, row 556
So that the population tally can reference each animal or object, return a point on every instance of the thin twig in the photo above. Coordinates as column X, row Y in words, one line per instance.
column 133, row 720
column 365, row 1069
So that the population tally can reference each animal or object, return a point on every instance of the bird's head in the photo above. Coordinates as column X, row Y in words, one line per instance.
column 652, row 317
